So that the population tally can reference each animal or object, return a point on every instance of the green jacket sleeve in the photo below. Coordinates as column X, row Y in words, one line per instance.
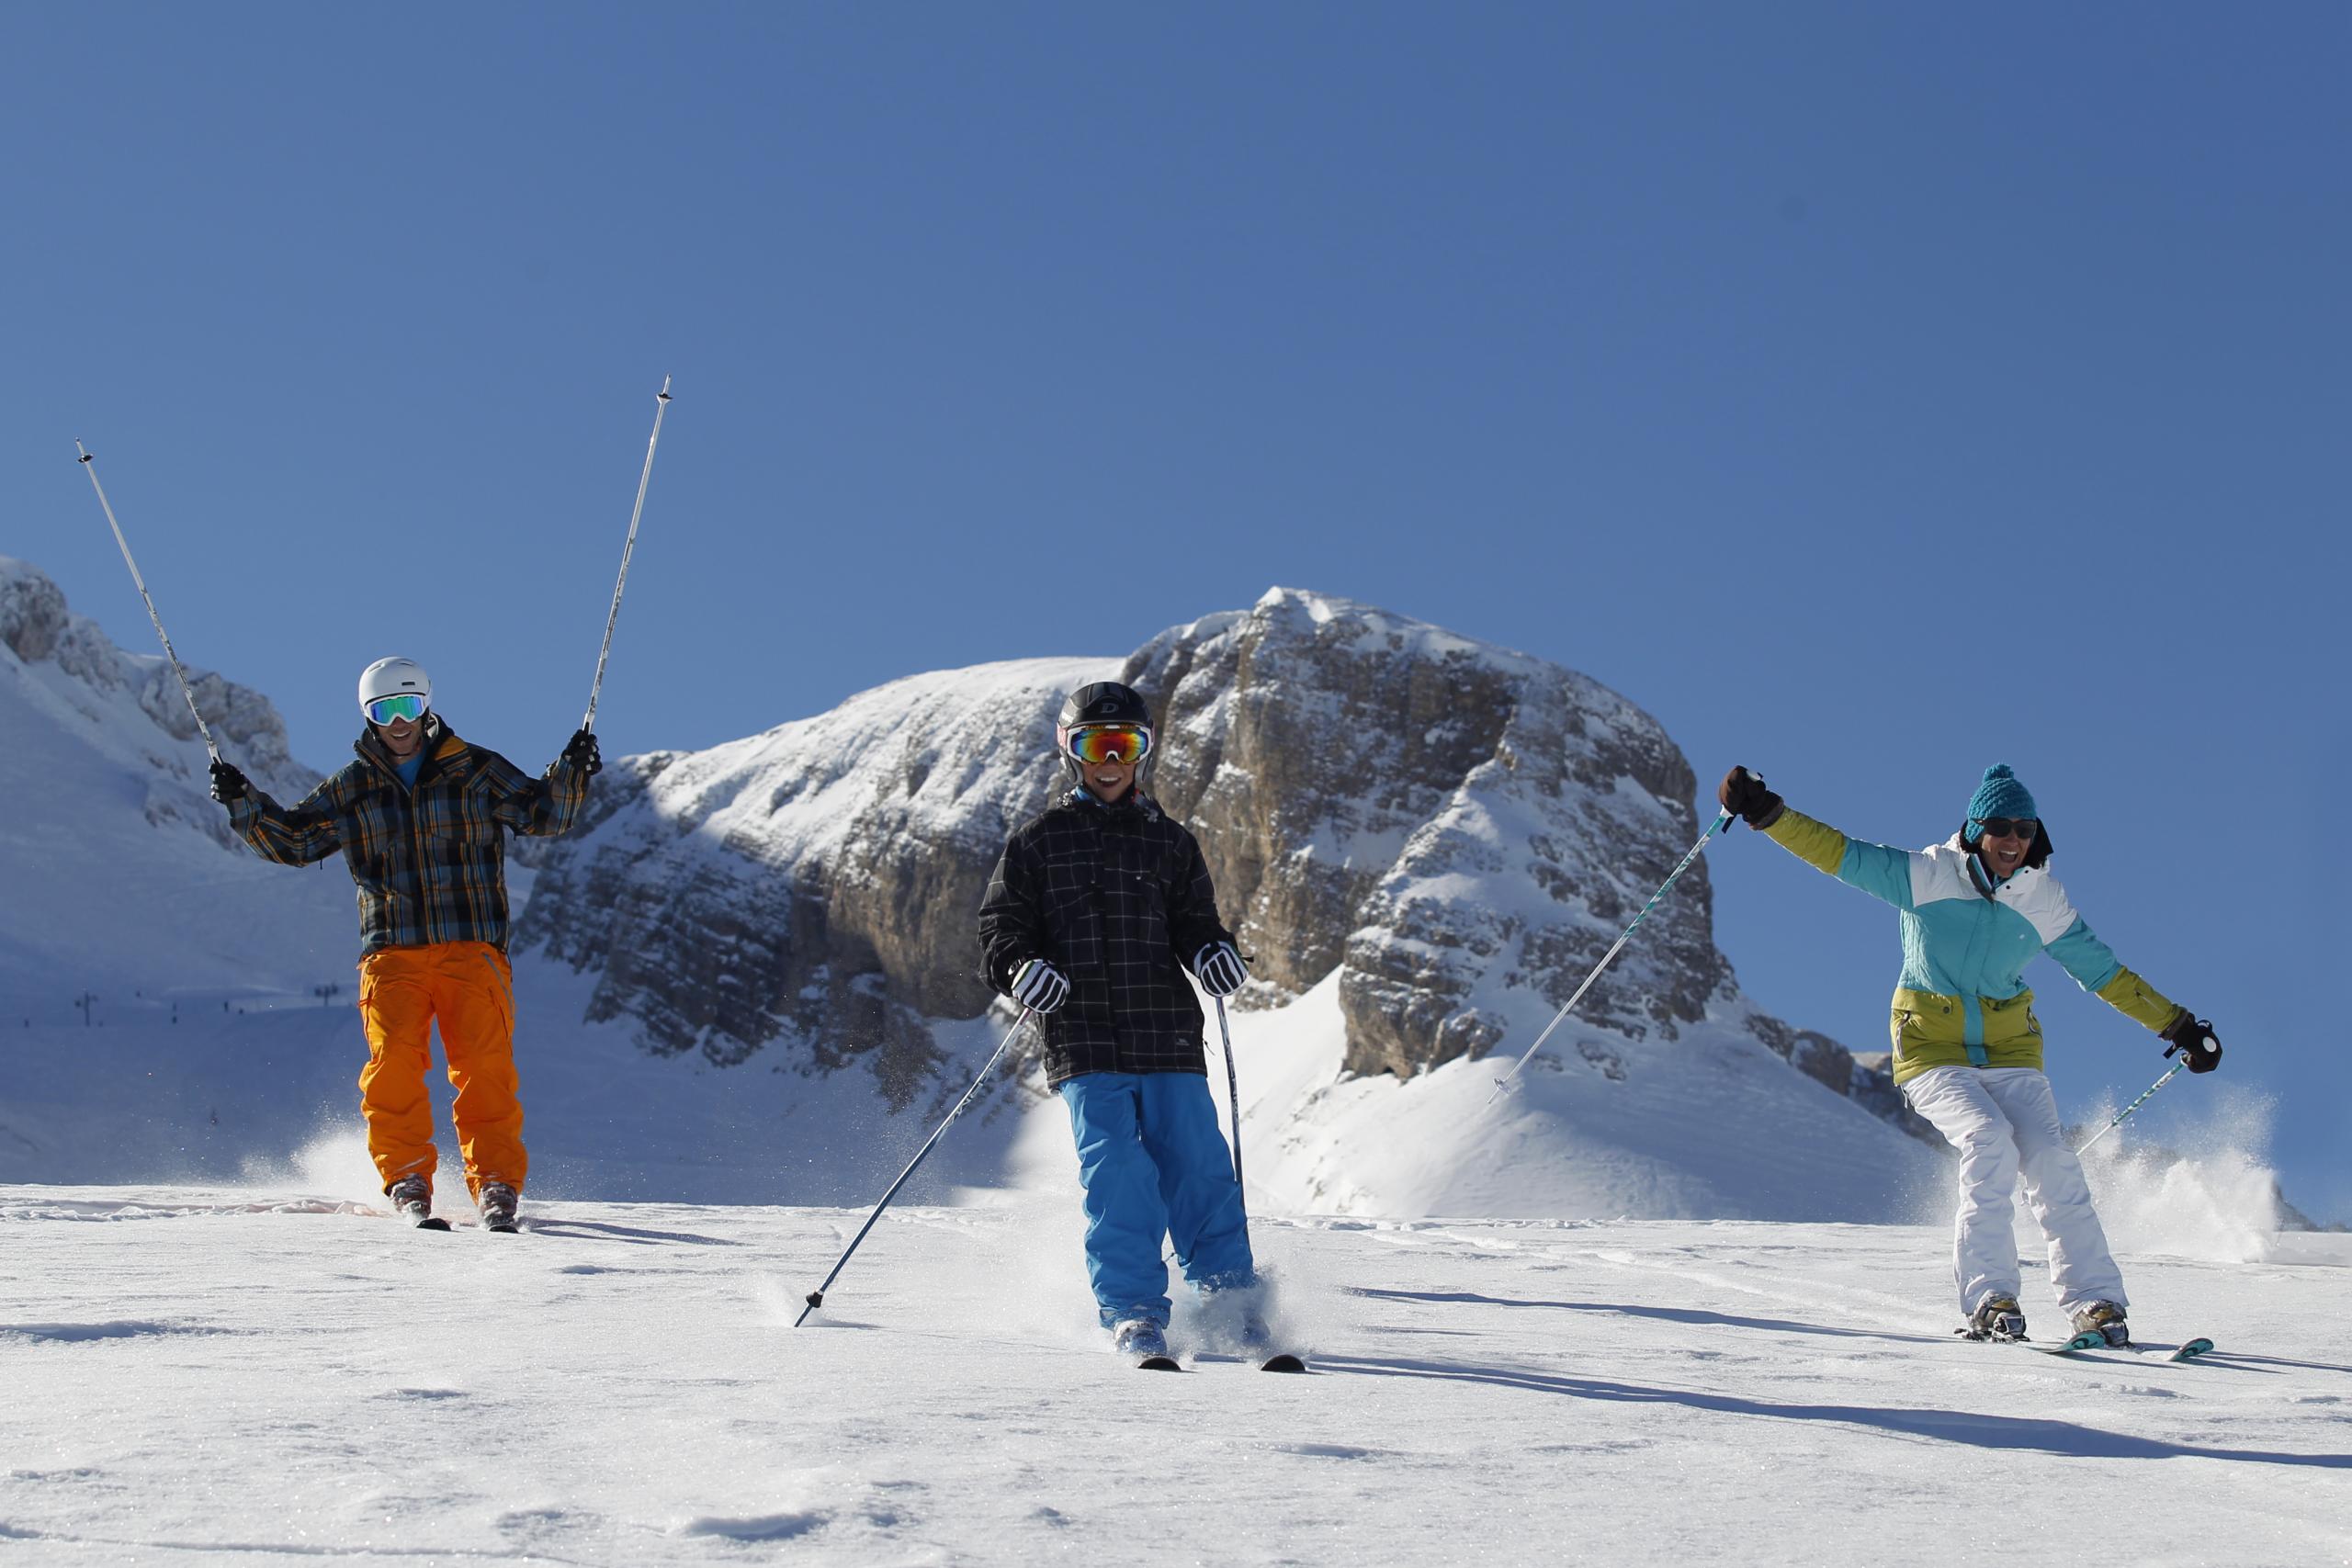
column 1877, row 869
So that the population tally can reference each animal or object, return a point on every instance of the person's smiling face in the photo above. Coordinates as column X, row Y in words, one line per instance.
column 2004, row 851
column 1109, row 781
column 401, row 736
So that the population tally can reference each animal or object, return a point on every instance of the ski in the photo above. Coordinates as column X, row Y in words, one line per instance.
column 509, row 1227
column 431, row 1223
column 2095, row 1346
column 2184, row 1352
column 1284, row 1363
column 1161, row 1362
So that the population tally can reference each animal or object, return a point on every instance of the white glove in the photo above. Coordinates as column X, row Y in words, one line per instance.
column 1219, row 968
column 1039, row 986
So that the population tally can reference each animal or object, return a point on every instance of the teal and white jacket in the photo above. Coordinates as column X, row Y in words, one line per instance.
column 1961, row 1000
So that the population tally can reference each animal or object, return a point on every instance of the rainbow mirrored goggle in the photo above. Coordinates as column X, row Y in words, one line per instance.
column 1095, row 743
column 400, row 704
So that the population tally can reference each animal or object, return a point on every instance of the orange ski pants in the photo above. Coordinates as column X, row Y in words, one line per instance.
column 469, row 989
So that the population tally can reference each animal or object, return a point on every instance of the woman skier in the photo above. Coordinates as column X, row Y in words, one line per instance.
column 1096, row 909
column 1967, row 1046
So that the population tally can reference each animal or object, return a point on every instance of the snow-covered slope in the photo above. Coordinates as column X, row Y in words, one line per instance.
column 117, row 874
column 212, row 1377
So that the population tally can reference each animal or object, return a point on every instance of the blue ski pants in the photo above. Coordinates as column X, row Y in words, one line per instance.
column 1154, row 1166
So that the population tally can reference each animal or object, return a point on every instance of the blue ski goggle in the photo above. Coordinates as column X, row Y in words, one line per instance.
column 400, row 704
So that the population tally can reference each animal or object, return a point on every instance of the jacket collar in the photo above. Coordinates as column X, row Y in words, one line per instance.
column 1135, row 803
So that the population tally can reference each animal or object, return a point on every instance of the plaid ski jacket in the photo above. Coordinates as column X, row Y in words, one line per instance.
column 1118, row 899
column 430, row 864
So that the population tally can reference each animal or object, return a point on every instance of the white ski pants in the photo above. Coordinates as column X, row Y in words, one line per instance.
column 2005, row 1125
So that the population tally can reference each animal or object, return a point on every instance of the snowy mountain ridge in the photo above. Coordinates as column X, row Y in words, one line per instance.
column 1425, row 843
column 750, row 976
column 114, row 861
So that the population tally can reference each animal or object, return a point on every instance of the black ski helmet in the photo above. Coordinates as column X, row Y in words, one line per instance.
column 1101, row 702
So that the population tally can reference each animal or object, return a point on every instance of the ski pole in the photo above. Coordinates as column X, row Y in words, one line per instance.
column 1232, row 1089
column 1502, row 1083
column 90, row 466
column 660, row 406
column 816, row 1298
column 2135, row 1105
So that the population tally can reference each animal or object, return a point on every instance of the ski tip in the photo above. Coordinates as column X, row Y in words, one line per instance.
column 1282, row 1363
column 1158, row 1364
column 436, row 1224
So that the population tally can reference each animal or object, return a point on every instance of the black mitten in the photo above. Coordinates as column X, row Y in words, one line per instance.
column 228, row 784
column 1744, row 796
column 2193, row 1037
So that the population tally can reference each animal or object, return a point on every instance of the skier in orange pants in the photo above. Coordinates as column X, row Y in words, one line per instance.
column 421, row 819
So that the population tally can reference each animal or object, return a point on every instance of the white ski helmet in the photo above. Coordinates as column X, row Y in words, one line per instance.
column 390, row 677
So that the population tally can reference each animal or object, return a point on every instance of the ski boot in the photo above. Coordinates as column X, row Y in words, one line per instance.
column 2106, row 1320
column 1997, row 1317
column 412, row 1199
column 1144, row 1342
column 497, row 1201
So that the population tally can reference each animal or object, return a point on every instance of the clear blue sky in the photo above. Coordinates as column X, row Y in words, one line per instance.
column 1872, row 392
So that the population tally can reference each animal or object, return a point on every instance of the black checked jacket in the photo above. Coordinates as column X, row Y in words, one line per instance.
column 1118, row 899
column 430, row 863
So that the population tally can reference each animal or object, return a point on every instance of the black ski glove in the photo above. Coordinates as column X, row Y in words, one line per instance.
column 579, row 753
column 228, row 784
column 2193, row 1037
column 1744, row 796
column 1039, row 986
column 1220, row 969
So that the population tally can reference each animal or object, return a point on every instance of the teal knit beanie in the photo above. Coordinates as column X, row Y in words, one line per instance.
column 1999, row 796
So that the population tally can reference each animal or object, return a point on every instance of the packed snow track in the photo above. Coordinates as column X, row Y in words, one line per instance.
column 214, row 1376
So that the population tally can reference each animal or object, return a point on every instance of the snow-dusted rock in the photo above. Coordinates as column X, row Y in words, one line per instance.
column 117, row 863
column 1454, row 831
column 1434, row 816
column 814, row 885
column 89, row 676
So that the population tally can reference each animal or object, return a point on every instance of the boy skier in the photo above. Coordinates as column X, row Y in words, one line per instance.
column 422, row 819
column 1096, row 911
column 1967, row 1046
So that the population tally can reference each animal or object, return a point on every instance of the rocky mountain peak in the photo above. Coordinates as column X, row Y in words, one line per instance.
column 88, row 674
column 1456, row 831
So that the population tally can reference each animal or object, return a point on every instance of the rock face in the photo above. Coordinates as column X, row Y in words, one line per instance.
column 1427, row 813
column 812, row 887
column 1459, row 832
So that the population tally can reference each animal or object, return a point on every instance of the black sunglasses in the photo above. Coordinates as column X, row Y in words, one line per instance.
column 2003, row 827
